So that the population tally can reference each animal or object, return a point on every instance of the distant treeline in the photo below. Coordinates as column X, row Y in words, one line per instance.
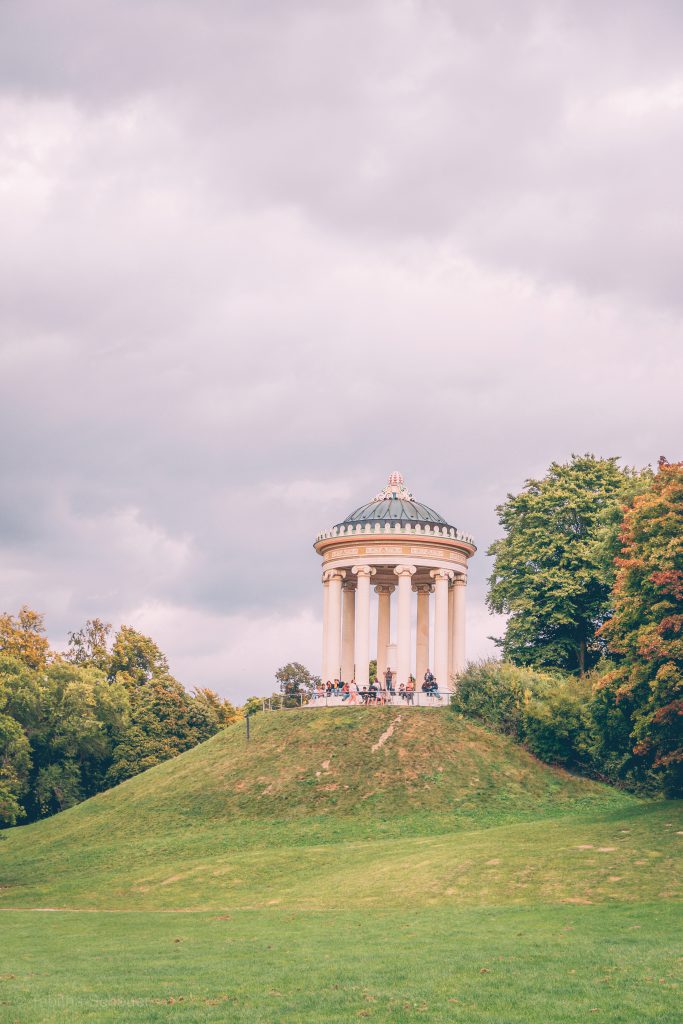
column 76, row 723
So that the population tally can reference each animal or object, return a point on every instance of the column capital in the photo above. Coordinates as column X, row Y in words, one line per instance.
column 423, row 588
column 460, row 580
column 383, row 588
column 441, row 574
column 405, row 570
column 333, row 574
column 363, row 570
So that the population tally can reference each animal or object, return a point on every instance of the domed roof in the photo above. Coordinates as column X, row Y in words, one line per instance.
column 394, row 504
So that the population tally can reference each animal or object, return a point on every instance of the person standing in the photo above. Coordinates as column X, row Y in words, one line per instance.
column 388, row 680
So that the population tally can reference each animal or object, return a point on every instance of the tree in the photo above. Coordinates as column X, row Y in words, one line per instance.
column 72, row 718
column 15, row 763
column 72, row 725
column 644, row 692
column 296, row 683
column 22, row 637
column 90, row 645
column 135, row 658
column 223, row 712
column 554, row 568
column 252, row 705
column 164, row 721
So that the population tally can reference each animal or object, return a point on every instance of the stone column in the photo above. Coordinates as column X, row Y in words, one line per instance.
column 383, row 629
column 334, row 579
column 348, row 629
column 363, row 572
column 451, row 631
column 404, row 573
column 441, row 578
column 326, row 613
column 459, row 624
column 422, row 639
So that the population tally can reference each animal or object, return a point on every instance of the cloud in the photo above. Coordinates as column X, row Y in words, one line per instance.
column 234, row 654
column 256, row 256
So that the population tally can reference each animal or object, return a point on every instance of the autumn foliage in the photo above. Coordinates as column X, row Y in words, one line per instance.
column 645, row 632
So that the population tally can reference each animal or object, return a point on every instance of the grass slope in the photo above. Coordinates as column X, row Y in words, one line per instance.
column 444, row 875
column 304, row 780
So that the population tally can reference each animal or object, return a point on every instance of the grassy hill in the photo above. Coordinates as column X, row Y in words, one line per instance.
column 356, row 862
column 304, row 779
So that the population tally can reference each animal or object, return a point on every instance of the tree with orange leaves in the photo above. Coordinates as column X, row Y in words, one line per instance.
column 645, row 691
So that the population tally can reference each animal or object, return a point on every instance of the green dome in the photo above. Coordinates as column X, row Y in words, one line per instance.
column 394, row 504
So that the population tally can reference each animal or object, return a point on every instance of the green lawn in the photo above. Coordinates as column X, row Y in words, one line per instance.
column 305, row 877
column 511, row 965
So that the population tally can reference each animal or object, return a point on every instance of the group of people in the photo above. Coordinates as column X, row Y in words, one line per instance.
column 374, row 693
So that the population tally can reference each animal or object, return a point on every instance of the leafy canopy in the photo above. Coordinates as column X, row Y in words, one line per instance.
column 294, row 678
column 554, row 568
column 644, row 692
column 72, row 725
column 22, row 636
column 90, row 645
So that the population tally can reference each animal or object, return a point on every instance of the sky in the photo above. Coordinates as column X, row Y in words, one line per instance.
column 257, row 254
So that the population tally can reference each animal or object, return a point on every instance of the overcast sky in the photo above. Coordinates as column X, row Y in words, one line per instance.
column 256, row 255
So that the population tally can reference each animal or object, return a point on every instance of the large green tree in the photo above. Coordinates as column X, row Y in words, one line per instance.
column 641, row 699
column 553, row 570
column 164, row 720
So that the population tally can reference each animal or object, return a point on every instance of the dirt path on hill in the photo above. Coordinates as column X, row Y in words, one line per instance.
column 385, row 735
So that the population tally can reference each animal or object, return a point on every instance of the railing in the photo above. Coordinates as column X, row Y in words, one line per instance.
column 382, row 698
column 389, row 529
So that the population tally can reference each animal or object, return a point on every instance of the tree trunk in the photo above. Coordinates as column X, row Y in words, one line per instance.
column 582, row 657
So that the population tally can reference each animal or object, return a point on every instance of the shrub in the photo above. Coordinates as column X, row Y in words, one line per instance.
column 496, row 692
column 548, row 712
column 558, row 727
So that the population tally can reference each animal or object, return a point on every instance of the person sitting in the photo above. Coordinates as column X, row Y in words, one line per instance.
column 353, row 692
column 402, row 691
column 373, row 691
column 328, row 688
column 365, row 695
column 345, row 691
column 410, row 691
column 430, row 685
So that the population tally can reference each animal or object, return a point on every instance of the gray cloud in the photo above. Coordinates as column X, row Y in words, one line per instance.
column 255, row 256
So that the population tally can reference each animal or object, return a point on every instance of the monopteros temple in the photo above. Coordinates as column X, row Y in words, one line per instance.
column 416, row 563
